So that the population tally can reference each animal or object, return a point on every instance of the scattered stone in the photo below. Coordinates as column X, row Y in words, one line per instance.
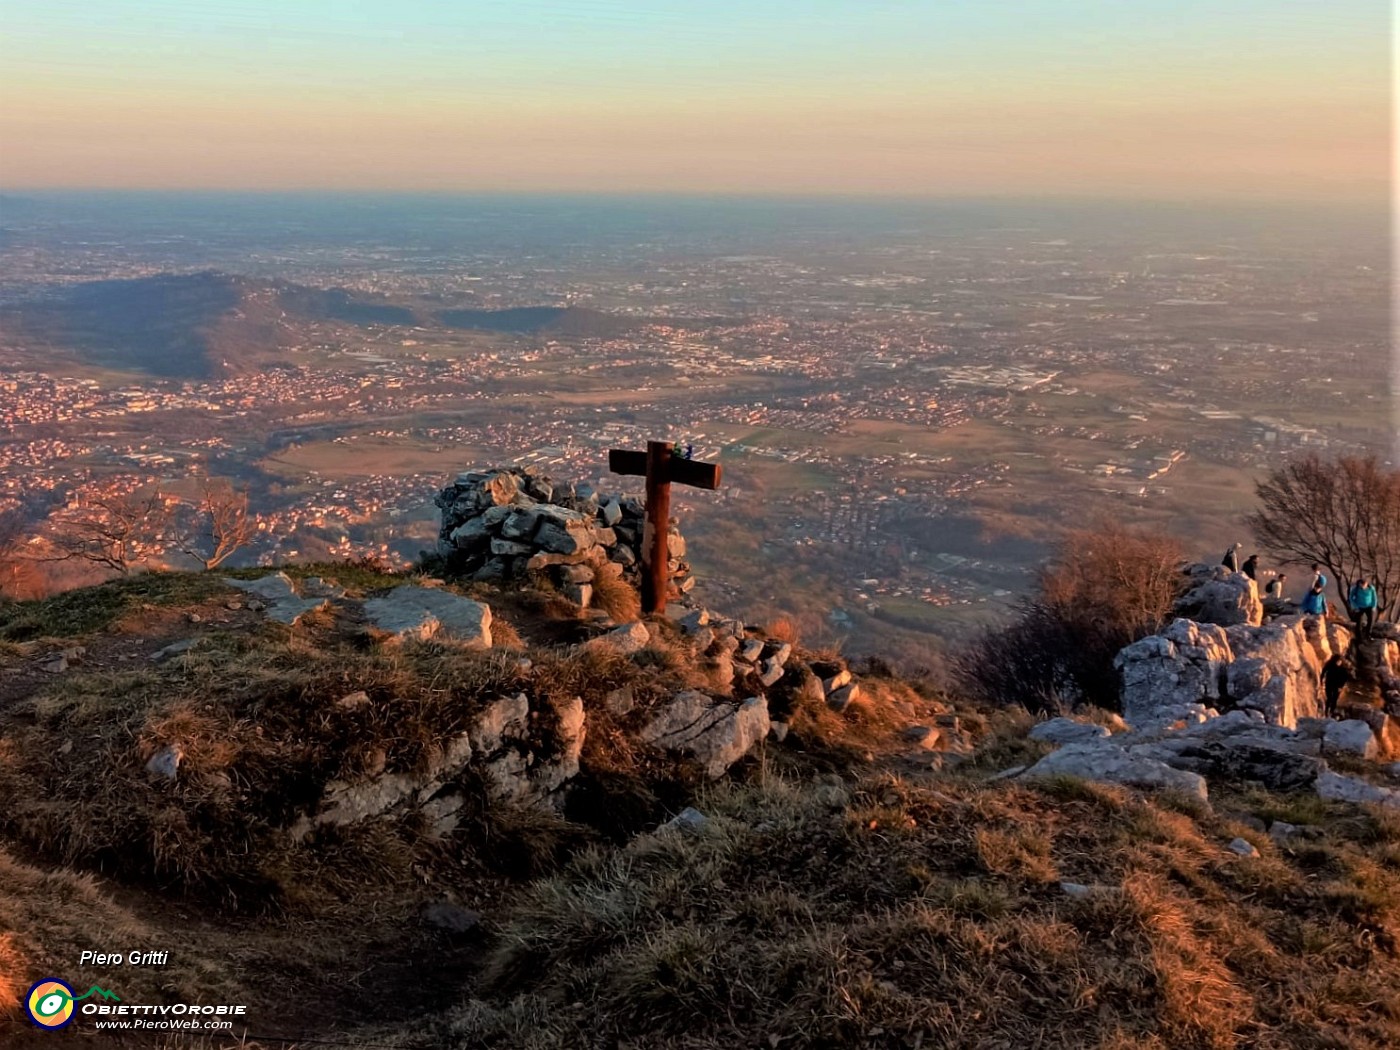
column 629, row 638
column 1079, row 891
column 1243, row 848
column 581, row 594
column 1008, row 774
column 620, row 700
column 770, row 672
column 351, row 701
column 689, row 820
column 1337, row 788
column 166, row 762
column 692, row 620
column 703, row 638
column 842, row 698
column 840, row 679
column 1282, row 831
column 233, row 606
column 55, row 666
column 751, row 651
column 1067, row 731
column 451, row 918
column 173, row 649
column 925, row 737
column 283, row 603
column 194, row 617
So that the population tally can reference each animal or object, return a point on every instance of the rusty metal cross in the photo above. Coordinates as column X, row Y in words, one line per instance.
column 661, row 467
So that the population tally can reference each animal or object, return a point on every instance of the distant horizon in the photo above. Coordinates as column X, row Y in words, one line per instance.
column 1155, row 99
column 1254, row 201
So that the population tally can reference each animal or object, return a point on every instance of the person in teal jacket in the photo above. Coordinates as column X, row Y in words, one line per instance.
column 1361, row 600
column 1315, row 601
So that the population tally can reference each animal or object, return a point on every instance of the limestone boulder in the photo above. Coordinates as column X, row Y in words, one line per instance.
column 714, row 733
column 1338, row 788
column 1162, row 673
column 1287, row 675
column 1108, row 763
column 412, row 613
column 1350, row 737
column 1217, row 595
column 1067, row 731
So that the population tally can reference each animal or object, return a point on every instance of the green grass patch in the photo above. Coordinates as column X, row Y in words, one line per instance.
column 89, row 609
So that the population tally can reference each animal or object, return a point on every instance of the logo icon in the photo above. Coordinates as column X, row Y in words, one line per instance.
column 50, row 1004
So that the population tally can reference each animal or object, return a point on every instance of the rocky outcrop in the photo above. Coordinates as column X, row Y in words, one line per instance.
column 507, row 523
column 499, row 753
column 1189, row 669
column 1280, row 672
column 1217, row 595
column 1165, row 676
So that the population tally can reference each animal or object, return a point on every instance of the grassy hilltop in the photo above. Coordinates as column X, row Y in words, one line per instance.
column 834, row 894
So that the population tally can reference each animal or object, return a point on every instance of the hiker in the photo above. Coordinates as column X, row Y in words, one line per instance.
column 1336, row 673
column 1315, row 601
column 1275, row 587
column 1319, row 581
column 1231, row 560
column 1361, row 600
column 1251, row 567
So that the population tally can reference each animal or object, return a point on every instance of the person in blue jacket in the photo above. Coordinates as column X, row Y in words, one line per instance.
column 1361, row 600
column 1315, row 601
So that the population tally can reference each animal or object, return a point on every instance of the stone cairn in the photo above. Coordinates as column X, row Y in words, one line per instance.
column 506, row 523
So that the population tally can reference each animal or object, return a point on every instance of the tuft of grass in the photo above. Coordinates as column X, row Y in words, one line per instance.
column 616, row 597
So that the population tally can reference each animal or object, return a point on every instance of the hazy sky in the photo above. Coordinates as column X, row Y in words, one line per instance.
column 1129, row 98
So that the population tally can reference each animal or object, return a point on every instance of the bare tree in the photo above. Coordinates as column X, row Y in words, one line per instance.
column 220, row 525
column 18, row 575
column 117, row 530
column 1342, row 513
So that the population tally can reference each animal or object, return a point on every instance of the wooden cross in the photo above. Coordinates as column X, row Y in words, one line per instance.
column 661, row 466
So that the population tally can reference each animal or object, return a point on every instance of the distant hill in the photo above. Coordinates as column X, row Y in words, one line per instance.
column 201, row 325
column 182, row 326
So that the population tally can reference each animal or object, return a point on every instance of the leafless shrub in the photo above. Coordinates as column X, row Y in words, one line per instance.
column 1105, row 588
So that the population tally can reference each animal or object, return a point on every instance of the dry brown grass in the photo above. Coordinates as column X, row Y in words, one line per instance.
column 261, row 734
column 886, row 914
column 782, row 629
column 616, row 597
